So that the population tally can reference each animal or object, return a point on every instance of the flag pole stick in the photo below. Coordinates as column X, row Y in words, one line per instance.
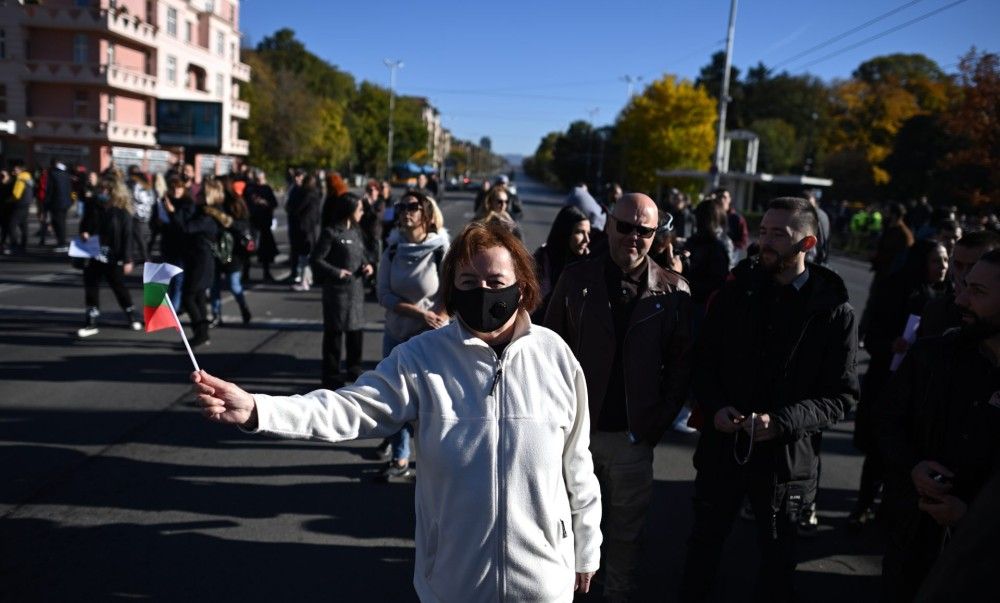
column 183, row 334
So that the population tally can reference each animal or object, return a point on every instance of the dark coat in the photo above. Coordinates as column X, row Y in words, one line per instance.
column 656, row 383
column 819, row 381
column 262, row 203
column 343, row 298
column 172, row 237
column 708, row 265
column 919, row 420
column 200, row 233
column 58, row 190
column 303, row 209
column 115, row 227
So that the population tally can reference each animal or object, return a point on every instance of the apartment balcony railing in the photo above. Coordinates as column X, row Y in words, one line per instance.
column 112, row 21
column 239, row 109
column 65, row 72
column 90, row 130
column 238, row 147
column 241, row 71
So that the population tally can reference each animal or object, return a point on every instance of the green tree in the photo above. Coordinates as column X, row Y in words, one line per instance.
column 670, row 125
column 710, row 78
column 780, row 150
column 572, row 152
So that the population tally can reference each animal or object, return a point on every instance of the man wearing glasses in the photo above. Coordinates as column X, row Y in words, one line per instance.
column 629, row 322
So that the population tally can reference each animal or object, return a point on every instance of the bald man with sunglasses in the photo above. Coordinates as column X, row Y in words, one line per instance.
column 628, row 321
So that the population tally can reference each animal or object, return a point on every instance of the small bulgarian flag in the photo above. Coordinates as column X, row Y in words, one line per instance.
column 157, row 309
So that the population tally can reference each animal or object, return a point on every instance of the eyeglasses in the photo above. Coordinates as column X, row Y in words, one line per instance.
column 408, row 207
column 643, row 232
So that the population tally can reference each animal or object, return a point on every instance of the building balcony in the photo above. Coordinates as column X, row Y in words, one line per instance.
column 90, row 130
column 121, row 24
column 239, row 109
column 235, row 146
column 114, row 76
column 241, row 72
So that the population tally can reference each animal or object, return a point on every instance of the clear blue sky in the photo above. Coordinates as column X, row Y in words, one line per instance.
column 516, row 70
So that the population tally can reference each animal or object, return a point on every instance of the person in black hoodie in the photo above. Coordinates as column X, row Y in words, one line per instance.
column 303, row 208
column 109, row 217
column 708, row 259
column 172, row 237
column 775, row 364
column 200, row 234
column 262, row 204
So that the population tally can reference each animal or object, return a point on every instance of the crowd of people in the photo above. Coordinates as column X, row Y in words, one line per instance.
column 538, row 384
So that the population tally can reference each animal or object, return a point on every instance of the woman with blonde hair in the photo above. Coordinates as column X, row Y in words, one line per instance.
column 109, row 217
column 495, row 209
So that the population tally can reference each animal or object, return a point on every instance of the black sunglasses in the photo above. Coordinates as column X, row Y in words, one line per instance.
column 644, row 232
column 408, row 207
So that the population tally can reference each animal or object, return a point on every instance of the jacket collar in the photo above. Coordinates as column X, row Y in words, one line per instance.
column 826, row 292
column 522, row 327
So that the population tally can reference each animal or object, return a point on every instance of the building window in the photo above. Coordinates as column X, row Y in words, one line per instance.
column 81, row 104
column 220, row 43
column 3, row 99
column 172, row 21
column 111, row 53
column 80, row 48
column 233, row 53
column 188, row 32
column 111, row 107
column 219, row 85
column 172, row 70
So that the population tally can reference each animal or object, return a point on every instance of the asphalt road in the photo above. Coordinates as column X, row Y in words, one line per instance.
column 113, row 487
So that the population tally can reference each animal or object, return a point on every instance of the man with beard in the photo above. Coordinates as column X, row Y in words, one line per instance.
column 941, row 314
column 938, row 432
column 775, row 364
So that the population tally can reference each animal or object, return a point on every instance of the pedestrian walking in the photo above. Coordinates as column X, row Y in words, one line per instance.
column 58, row 200
column 567, row 243
column 494, row 209
column 629, row 322
column 303, row 209
column 21, row 195
column 109, row 217
column 262, row 203
column 507, row 506
column 232, row 254
column 143, row 205
column 340, row 262
column 775, row 364
column 938, row 434
column 409, row 288
column 199, row 232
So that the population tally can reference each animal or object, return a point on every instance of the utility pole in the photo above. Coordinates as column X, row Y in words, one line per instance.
column 724, row 94
column 393, row 65
column 629, row 81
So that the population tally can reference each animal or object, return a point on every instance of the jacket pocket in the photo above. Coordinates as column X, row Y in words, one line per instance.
column 564, row 545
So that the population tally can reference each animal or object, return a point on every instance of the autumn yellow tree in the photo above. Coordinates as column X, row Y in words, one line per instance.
column 670, row 125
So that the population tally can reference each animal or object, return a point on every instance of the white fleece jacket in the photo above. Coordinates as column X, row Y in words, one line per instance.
column 507, row 504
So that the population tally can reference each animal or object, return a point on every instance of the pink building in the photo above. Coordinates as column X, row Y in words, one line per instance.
column 83, row 81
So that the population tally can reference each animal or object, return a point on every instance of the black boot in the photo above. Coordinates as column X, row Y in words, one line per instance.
column 245, row 313
column 200, row 334
column 90, row 326
column 133, row 322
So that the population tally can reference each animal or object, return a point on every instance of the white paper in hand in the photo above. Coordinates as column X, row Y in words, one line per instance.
column 910, row 335
column 91, row 248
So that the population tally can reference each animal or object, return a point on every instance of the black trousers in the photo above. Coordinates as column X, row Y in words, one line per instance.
column 332, row 340
column 908, row 560
column 114, row 275
column 16, row 227
column 57, row 217
column 193, row 301
column 717, row 499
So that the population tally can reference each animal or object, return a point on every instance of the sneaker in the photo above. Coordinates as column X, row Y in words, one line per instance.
column 215, row 322
column 394, row 470
column 302, row 286
column 681, row 422
column 809, row 523
column 136, row 325
column 859, row 518
column 86, row 332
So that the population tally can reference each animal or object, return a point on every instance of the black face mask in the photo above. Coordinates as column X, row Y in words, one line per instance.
column 486, row 310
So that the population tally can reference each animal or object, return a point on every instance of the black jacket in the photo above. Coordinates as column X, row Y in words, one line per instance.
column 201, row 231
column 921, row 419
column 114, row 226
column 818, row 383
column 708, row 265
column 58, row 190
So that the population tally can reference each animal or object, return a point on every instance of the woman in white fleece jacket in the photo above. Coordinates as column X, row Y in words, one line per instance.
column 507, row 504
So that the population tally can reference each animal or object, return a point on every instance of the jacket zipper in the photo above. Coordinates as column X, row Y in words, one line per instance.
column 579, row 322
column 631, row 436
column 501, row 499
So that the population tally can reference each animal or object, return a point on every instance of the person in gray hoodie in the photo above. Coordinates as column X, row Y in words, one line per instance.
column 408, row 284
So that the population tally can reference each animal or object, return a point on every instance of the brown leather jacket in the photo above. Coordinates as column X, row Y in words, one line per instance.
column 657, row 355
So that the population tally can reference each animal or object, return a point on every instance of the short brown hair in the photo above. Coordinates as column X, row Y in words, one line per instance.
column 804, row 219
column 475, row 238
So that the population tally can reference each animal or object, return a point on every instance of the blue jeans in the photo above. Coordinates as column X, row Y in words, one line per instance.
column 176, row 287
column 235, row 287
column 399, row 441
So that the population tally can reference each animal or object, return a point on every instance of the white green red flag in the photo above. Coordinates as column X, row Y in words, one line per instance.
column 157, row 311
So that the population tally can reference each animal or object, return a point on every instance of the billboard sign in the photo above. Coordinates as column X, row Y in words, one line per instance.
column 189, row 124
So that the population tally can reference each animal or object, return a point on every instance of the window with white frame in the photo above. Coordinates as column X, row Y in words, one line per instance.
column 219, row 85
column 111, row 53
column 188, row 32
column 172, row 70
column 111, row 107
column 220, row 43
column 81, row 47
column 172, row 21
column 81, row 104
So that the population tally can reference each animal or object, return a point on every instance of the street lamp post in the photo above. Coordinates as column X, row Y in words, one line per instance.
column 724, row 94
column 393, row 65
column 630, row 80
